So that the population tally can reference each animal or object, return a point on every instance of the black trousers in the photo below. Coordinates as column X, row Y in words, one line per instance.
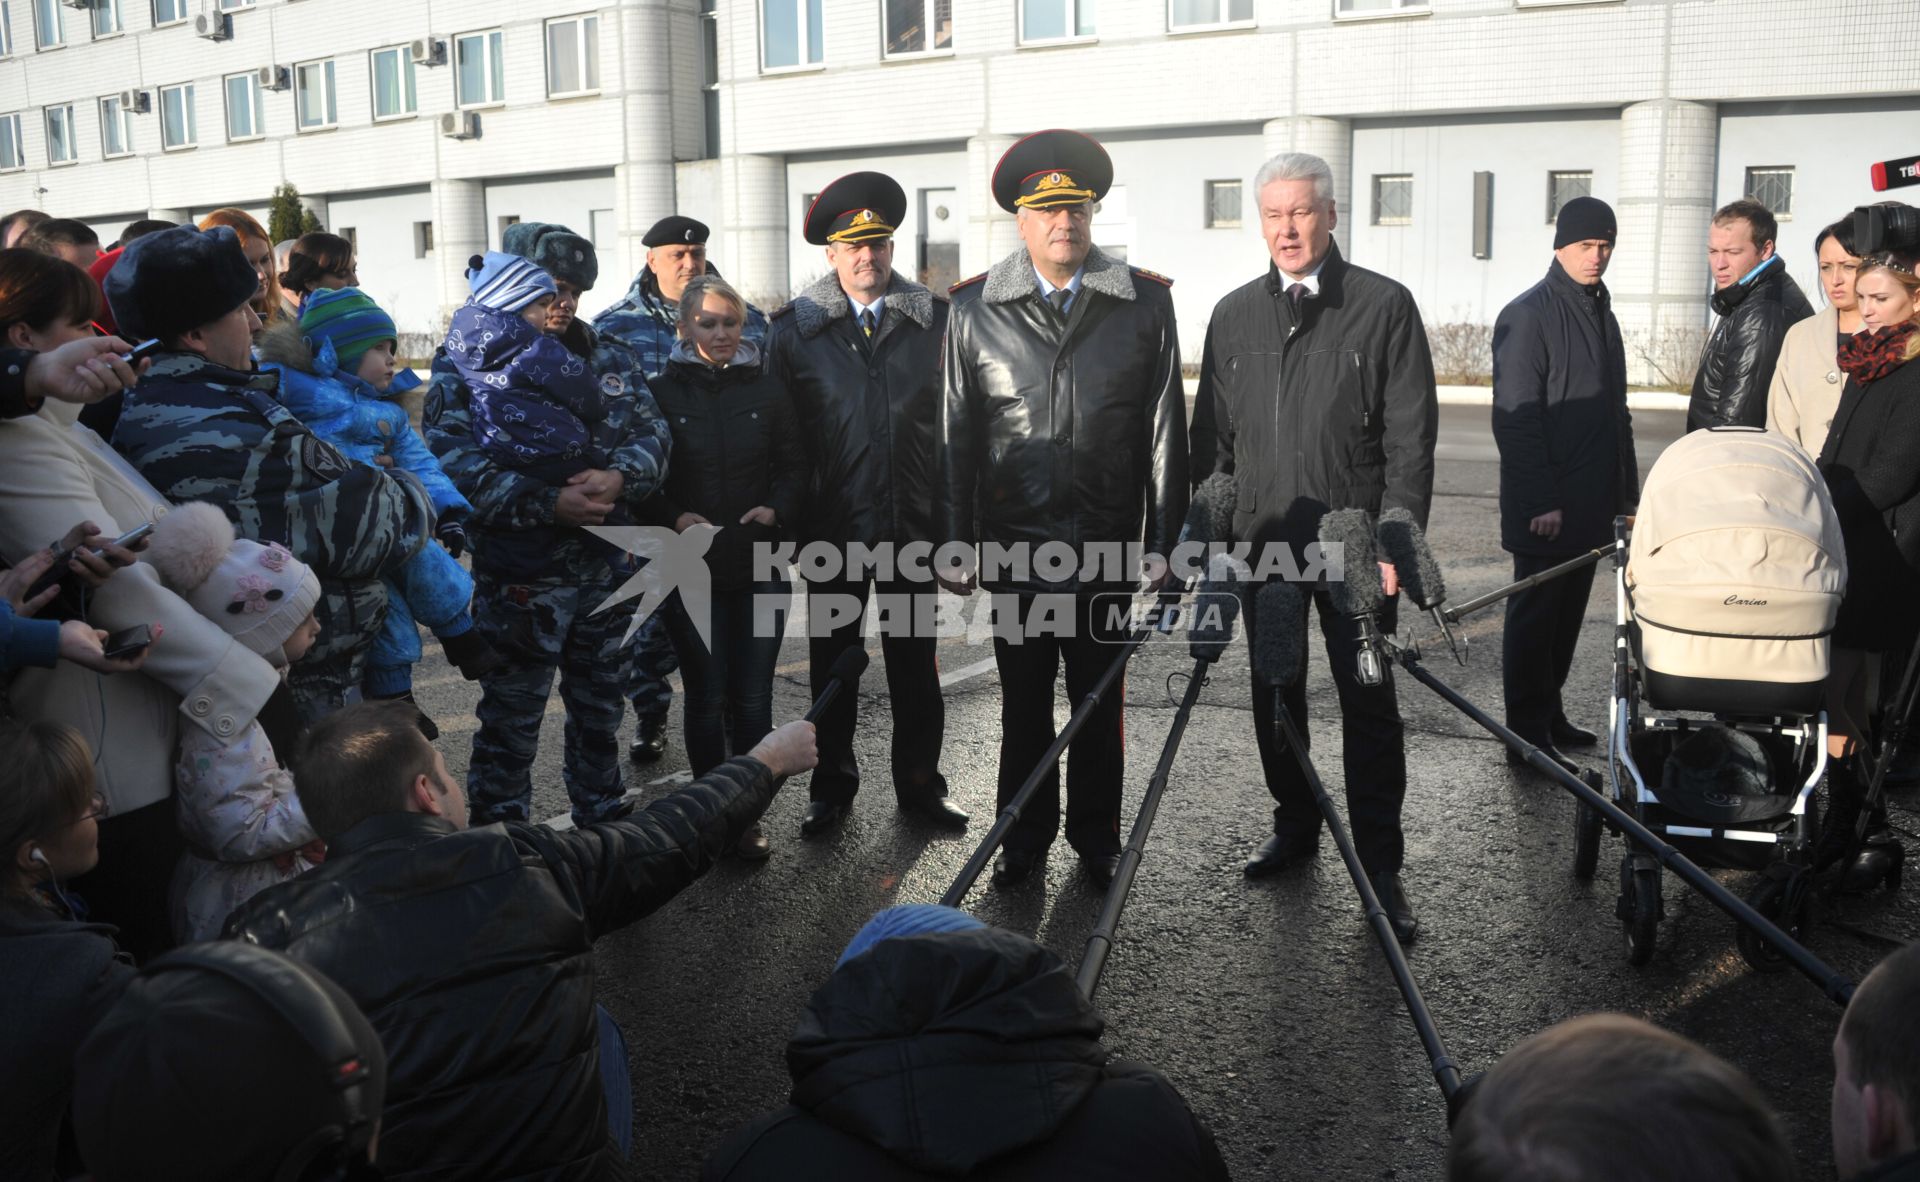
column 913, row 689
column 1542, row 630
column 129, row 888
column 1372, row 743
column 1096, row 759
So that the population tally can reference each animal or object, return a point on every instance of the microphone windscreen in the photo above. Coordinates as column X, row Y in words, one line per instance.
column 1405, row 545
column 1210, row 513
column 850, row 665
column 1279, row 633
column 1215, row 607
column 1357, row 592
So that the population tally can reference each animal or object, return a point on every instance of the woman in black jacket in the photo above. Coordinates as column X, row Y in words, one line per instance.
column 737, row 467
column 1871, row 462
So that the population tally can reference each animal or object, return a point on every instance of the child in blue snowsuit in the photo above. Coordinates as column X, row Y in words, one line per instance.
column 337, row 371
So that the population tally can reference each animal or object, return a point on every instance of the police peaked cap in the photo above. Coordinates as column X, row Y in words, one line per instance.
column 1052, row 168
column 859, row 207
column 676, row 230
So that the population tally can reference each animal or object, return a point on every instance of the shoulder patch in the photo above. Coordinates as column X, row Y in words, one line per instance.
column 967, row 282
column 1156, row 276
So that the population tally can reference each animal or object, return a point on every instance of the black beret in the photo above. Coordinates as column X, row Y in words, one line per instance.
column 1050, row 168
column 859, row 207
column 176, row 280
column 675, row 230
column 554, row 249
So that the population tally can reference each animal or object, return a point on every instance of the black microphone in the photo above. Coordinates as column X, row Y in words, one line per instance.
column 1357, row 594
column 1405, row 545
column 1215, row 608
column 846, row 670
column 1279, row 643
column 1210, row 513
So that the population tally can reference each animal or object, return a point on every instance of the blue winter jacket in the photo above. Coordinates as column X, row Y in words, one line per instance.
column 533, row 401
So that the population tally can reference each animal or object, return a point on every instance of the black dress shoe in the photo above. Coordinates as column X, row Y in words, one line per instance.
column 1282, row 853
column 1515, row 759
column 649, row 741
column 753, row 845
column 1565, row 734
column 821, row 815
column 1101, row 868
column 936, row 810
column 1013, row 867
column 1399, row 909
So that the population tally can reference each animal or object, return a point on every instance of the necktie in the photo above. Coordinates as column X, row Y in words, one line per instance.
column 1058, row 297
column 868, row 321
column 1296, row 293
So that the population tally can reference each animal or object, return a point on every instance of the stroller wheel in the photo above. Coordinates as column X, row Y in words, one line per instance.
column 1586, row 833
column 1640, row 909
column 1783, row 896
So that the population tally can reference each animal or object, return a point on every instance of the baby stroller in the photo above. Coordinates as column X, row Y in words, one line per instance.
column 1727, row 583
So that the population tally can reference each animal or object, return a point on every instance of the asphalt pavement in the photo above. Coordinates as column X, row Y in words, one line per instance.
column 1267, row 1003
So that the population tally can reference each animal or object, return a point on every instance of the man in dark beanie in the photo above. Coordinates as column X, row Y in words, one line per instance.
column 204, row 425
column 1566, row 462
column 545, row 616
column 229, row 1061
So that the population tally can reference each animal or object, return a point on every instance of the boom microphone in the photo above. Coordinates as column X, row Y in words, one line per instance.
column 1215, row 608
column 1357, row 594
column 846, row 670
column 1405, row 546
column 1279, row 637
column 1210, row 513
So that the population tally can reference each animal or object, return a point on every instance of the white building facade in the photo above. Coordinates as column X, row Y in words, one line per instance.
column 1455, row 127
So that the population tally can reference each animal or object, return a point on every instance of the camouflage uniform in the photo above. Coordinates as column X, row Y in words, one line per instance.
column 647, row 322
column 544, row 620
column 201, row 432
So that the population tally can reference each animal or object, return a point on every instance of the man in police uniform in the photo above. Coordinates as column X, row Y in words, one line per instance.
column 646, row 321
column 859, row 352
column 1064, row 421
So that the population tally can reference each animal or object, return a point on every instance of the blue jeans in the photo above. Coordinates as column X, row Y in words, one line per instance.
column 615, row 1081
column 729, row 682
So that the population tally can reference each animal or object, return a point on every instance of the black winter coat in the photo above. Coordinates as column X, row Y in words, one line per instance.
column 58, row 978
column 868, row 410
column 1872, row 464
column 1336, row 411
column 735, row 447
column 1560, row 416
column 941, row 1055
column 1062, row 431
column 1736, row 368
column 471, row 951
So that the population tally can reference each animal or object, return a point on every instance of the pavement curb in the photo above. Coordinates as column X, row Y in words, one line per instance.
column 1636, row 400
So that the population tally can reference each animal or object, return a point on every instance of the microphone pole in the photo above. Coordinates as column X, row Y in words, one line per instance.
column 1452, row 615
column 1278, row 650
column 847, row 669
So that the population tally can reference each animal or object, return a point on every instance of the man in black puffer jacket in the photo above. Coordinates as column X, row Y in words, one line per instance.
column 471, row 949
column 942, row 1048
column 1757, row 301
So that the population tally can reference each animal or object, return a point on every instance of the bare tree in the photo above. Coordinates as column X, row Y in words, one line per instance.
column 1462, row 353
column 1669, row 355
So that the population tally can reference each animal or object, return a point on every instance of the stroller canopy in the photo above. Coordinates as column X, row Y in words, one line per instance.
column 1736, row 568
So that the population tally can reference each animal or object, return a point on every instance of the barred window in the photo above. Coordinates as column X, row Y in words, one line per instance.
column 1223, row 204
column 1563, row 187
column 1392, row 199
column 1773, row 188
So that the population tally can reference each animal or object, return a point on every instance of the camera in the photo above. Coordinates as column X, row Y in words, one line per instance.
column 1887, row 226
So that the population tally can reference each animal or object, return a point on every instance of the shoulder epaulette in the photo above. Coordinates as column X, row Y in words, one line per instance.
column 1156, row 276
column 967, row 282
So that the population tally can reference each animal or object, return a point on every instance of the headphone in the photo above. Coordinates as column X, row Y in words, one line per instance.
column 291, row 990
column 37, row 856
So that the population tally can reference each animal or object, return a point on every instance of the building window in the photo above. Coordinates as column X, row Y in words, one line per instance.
column 313, row 100
column 573, row 55
column 709, row 81
column 46, row 24
column 6, row 28
column 230, row 5
column 116, row 128
column 501, row 223
column 106, row 18
column 393, row 91
column 422, row 239
column 60, row 146
column 806, row 206
column 604, row 230
column 178, row 128
column 479, row 69
column 1055, row 20
column 1773, row 188
column 918, row 26
column 1206, row 14
column 167, row 12
column 243, row 108
column 789, row 33
column 12, row 156
column 1223, row 205
column 1376, row 7
column 1392, row 200
column 353, row 239
column 1563, row 187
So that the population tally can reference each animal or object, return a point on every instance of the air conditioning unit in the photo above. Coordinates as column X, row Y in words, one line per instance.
column 212, row 25
column 275, row 77
column 137, row 102
column 460, row 125
column 429, row 52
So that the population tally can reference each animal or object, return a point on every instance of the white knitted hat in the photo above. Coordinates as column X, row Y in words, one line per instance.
column 259, row 593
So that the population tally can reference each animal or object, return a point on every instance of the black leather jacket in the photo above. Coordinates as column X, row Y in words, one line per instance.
column 471, row 951
column 868, row 410
column 1730, row 387
column 1071, row 431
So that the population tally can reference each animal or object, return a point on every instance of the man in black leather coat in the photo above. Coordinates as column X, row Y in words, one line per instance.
column 1756, row 301
column 1064, row 424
